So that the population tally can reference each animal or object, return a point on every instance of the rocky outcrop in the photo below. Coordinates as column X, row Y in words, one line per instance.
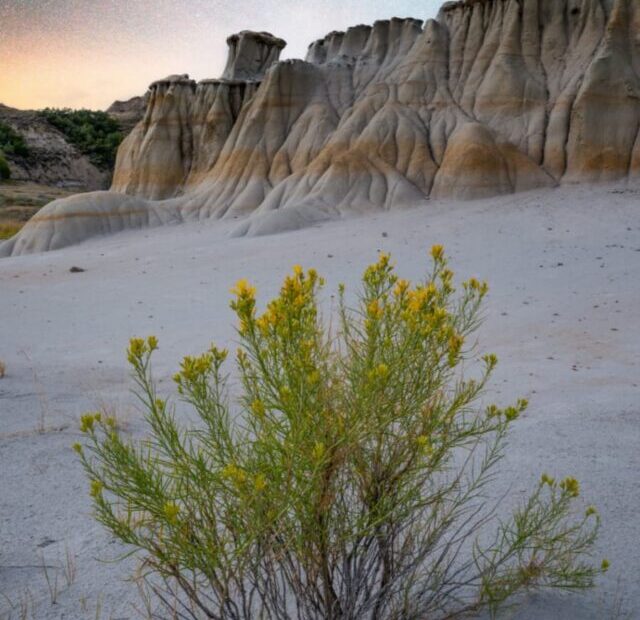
column 251, row 54
column 128, row 113
column 155, row 157
column 51, row 159
column 492, row 97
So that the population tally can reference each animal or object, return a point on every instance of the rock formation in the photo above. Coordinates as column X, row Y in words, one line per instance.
column 251, row 54
column 492, row 97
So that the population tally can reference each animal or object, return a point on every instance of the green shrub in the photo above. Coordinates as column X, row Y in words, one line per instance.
column 95, row 134
column 11, row 142
column 351, row 481
column 5, row 171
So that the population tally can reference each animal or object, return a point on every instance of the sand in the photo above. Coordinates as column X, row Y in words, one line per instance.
column 562, row 315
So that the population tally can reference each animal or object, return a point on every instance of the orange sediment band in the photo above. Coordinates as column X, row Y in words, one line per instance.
column 66, row 216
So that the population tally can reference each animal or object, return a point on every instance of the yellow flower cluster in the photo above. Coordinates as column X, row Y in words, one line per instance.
column 194, row 368
column 243, row 290
column 244, row 304
column 455, row 347
column 381, row 371
column 268, row 320
column 401, row 288
column 96, row 488
column 171, row 511
column 480, row 287
column 437, row 253
column 239, row 478
column 571, row 486
column 446, row 277
column 490, row 360
column 374, row 310
column 260, row 483
column 296, row 300
column 377, row 273
column 548, row 480
column 138, row 347
column 318, row 451
column 233, row 473
column 88, row 421
column 258, row 408
column 510, row 413
column 424, row 443
column 419, row 299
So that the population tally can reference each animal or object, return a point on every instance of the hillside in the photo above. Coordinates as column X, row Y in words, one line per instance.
column 68, row 148
column 49, row 159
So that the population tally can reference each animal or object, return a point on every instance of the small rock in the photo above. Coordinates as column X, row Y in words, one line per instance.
column 46, row 542
column 77, row 270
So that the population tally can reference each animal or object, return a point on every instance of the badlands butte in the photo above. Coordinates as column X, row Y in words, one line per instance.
column 491, row 97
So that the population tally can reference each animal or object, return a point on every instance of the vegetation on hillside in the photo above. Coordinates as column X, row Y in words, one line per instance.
column 11, row 142
column 5, row 171
column 351, row 478
column 95, row 134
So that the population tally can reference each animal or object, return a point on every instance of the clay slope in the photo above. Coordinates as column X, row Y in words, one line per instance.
column 492, row 97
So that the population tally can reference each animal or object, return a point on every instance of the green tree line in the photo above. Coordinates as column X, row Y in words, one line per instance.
column 95, row 134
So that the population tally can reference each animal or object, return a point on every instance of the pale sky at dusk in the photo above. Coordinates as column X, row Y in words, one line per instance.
column 87, row 53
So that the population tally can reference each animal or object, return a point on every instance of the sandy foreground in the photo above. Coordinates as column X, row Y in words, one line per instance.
column 563, row 315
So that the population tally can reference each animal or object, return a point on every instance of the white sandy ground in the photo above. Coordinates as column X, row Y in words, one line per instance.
column 563, row 316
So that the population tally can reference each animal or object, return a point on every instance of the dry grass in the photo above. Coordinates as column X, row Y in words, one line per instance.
column 19, row 201
column 10, row 228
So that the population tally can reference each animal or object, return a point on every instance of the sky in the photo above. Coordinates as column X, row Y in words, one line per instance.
column 88, row 53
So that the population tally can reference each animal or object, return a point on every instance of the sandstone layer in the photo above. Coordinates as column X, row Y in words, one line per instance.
column 492, row 97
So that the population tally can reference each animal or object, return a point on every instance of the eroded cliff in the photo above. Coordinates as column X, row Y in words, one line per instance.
column 492, row 97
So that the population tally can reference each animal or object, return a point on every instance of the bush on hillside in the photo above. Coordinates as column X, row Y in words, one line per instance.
column 11, row 142
column 95, row 134
column 5, row 171
column 351, row 481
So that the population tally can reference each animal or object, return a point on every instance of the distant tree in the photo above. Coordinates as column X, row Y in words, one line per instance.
column 95, row 134
column 11, row 142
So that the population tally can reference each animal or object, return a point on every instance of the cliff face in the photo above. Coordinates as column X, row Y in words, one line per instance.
column 492, row 97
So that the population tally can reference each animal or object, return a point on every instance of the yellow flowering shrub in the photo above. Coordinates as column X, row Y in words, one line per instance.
column 348, row 479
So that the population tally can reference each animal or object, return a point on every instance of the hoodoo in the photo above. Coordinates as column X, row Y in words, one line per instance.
column 492, row 97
